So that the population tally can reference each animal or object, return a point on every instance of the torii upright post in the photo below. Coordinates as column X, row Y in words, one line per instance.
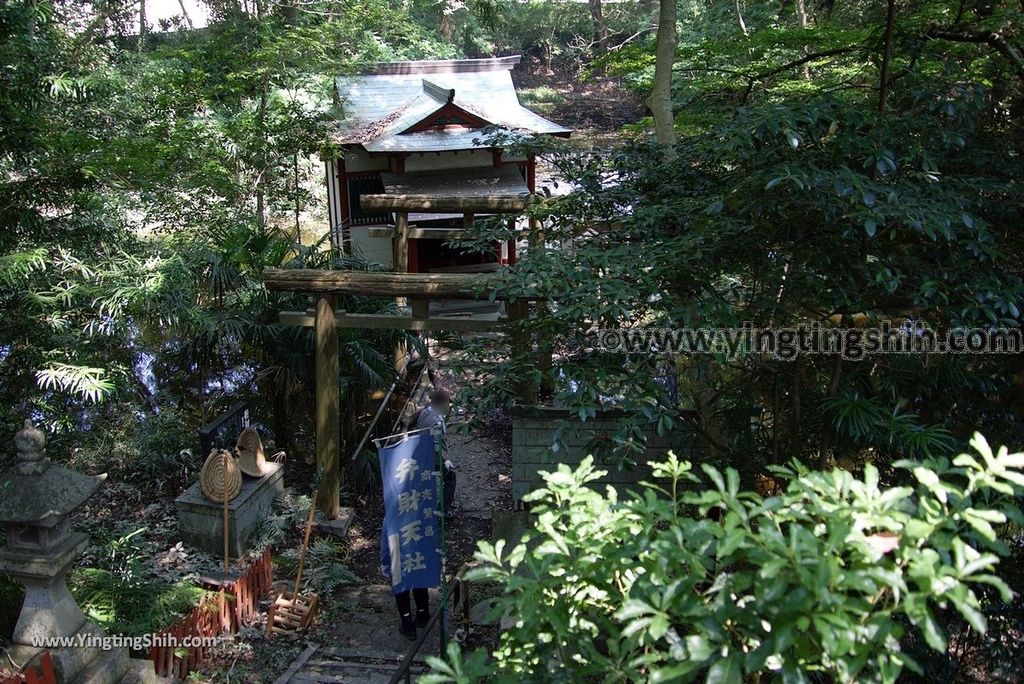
column 402, row 266
column 328, row 419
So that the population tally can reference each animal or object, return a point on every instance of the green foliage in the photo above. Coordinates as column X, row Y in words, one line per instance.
column 144, row 190
column 121, row 595
column 154, row 452
column 454, row 669
column 323, row 570
column 799, row 195
column 11, row 595
column 288, row 512
column 695, row 579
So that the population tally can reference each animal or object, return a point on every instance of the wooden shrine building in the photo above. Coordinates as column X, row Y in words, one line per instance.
column 416, row 167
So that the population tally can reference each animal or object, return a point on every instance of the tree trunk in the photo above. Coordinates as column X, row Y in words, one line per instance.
column 298, row 208
column 600, row 28
column 801, row 13
column 142, row 25
column 660, row 101
column 795, row 442
column 883, row 79
column 828, row 428
column 184, row 14
column 264, row 167
column 739, row 18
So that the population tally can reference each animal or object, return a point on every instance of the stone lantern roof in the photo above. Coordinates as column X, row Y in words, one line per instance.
column 38, row 492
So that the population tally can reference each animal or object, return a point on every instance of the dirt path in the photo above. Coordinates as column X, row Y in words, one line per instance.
column 483, row 472
column 356, row 638
column 597, row 103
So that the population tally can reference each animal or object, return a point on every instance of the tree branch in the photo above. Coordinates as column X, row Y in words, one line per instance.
column 995, row 40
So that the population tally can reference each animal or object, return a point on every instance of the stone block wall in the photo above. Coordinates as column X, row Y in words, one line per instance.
column 533, row 430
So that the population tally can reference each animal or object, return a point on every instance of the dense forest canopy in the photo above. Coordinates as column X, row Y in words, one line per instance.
column 833, row 161
column 855, row 166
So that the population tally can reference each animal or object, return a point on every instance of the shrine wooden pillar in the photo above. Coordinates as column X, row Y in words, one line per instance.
column 328, row 402
column 401, row 266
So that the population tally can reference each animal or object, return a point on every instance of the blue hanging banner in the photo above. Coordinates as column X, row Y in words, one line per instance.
column 410, row 540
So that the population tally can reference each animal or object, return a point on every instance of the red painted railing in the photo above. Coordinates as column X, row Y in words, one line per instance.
column 35, row 674
column 220, row 613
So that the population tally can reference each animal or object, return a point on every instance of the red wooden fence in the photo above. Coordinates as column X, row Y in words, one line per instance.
column 221, row 613
column 35, row 674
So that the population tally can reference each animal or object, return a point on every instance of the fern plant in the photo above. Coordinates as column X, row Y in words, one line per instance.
column 322, row 570
column 124, row 597
column 285, row 515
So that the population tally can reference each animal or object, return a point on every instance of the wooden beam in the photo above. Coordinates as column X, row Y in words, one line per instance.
column 328, row 408
column 416, row 232
column 444, row 203
column 367, row 283
column 344, row 319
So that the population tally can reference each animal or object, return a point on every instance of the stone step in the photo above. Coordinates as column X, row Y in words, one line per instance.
column 341, row 667
column 339, row 527
column 108, row 666
column 344, row 666
column 349, row 655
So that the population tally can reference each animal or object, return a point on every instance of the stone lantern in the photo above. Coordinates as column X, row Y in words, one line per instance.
column 36, row 498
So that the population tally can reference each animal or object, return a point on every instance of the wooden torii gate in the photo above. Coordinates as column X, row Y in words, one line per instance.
column 325, row 320
column 416, row 288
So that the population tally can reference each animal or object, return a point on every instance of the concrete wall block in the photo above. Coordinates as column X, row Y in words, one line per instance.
column 200, row 522
column 531, row 437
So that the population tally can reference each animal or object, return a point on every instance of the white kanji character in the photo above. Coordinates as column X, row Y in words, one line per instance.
column 428, row 531
column 409, row 501
column 411, row 532
column 406, row 469
column 426, row 494
column 425, row 476
column 412, row 562
column 428, row 513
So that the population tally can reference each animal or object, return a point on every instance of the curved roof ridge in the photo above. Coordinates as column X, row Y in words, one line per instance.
column 440, row 66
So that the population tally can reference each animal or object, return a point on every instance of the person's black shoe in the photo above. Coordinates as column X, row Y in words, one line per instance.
column 408, row 629
column 422, row 617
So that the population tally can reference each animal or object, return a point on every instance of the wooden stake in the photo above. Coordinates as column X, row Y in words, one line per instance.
column 224, row 458
column 305, row 543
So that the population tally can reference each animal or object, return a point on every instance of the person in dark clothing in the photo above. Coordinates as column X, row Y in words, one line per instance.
column 404, row 599
column 432, row 416
column 409, row 624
